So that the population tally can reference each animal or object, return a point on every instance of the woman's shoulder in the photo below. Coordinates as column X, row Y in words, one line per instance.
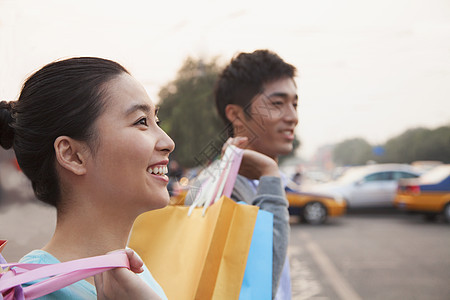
column 79, row 290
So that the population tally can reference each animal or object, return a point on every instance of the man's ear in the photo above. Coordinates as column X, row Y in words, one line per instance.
column 71, row 154
column 234, row 114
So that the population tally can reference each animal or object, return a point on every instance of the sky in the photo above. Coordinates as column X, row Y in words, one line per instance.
column 369, row 69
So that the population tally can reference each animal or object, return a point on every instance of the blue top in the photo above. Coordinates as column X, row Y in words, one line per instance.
column 81, row 289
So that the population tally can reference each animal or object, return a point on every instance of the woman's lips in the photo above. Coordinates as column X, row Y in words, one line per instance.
column 159, row 171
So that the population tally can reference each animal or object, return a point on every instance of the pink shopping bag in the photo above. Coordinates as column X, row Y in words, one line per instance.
column 52, row 276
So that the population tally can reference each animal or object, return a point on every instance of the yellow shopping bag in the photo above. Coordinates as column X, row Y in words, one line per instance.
column 196, row 256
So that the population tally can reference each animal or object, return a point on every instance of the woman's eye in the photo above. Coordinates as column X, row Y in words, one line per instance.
column 142, row 121
column 277, row 103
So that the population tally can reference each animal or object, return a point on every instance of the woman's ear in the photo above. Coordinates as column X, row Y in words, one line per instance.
column 71, row 154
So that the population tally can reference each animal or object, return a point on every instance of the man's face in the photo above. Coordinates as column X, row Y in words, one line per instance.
column 273, row 117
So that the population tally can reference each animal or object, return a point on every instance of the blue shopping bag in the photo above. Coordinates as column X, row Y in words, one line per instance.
column 257, row 283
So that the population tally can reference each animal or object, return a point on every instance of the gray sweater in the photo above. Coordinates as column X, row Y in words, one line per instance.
column 269, row 196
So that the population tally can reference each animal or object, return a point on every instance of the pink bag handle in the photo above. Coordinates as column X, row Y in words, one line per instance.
column 212, row 189
column 233, row 158
column 64, row 274
column 234, row 170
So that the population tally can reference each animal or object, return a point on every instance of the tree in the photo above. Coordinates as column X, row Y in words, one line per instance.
column 413, row 145
column 352, row 152
column 188, row 114
column 419, row 144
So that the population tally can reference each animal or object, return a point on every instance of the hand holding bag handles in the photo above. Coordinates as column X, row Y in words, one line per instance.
column 221, row 181
column 55, row 276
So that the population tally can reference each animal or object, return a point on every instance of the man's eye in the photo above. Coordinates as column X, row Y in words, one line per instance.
column 142, row 121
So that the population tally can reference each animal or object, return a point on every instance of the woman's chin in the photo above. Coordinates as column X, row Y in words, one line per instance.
column 162, row 201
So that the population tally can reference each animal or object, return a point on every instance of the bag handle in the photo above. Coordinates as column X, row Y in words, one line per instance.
column 64, row 274
column 233, row 172
column 222, row 181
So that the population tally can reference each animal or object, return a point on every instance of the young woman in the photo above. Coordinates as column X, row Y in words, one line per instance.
column 86, row 134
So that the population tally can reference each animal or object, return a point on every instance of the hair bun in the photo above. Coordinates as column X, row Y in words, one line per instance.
column 6, row 119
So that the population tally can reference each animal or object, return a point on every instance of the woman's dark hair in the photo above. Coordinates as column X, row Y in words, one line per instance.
column 244, row 78
column 63, row 98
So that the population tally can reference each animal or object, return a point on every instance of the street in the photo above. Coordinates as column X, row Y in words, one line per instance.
column 371, row 256
column 356, row 256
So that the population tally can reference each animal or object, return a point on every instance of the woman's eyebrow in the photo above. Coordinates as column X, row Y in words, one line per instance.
column 136, row 107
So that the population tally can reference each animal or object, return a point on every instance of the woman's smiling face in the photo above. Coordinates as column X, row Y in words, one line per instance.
column 130, row 161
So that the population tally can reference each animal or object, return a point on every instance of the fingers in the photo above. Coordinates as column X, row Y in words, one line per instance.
column 239, row 141
column 98, row 280
column 136, row 263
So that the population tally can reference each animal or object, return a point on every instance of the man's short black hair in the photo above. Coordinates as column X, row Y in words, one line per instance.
column 244, row 78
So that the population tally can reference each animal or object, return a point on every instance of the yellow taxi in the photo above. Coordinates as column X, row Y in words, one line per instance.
column 429, row 194
column 314, row 208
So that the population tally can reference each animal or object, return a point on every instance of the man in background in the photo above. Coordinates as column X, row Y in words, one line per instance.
column 256, row 97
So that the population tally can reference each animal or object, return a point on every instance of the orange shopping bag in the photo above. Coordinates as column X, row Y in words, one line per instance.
column 196, row 256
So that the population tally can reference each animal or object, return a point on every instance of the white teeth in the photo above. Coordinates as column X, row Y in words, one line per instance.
column 161, row 170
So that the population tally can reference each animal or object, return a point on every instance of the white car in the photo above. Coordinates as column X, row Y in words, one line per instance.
column 368, row 186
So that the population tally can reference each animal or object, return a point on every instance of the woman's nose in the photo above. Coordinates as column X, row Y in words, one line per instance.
column 165, row 143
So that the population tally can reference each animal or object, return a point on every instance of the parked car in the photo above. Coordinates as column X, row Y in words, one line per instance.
column 314, row 208
column 367, row 186
column 429, row 194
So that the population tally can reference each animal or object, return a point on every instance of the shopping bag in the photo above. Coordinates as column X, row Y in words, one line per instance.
column 2, row 244
column 200, row 252
column 257, row 282
column 52, row 277
column 196, row 256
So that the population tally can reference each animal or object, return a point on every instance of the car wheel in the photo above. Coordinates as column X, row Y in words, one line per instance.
column 447, row 213
column 314, row 213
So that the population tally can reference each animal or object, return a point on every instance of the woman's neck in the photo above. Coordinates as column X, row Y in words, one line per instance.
column 83, row 231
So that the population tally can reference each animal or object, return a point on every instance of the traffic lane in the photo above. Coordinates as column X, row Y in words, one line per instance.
column 380, row 256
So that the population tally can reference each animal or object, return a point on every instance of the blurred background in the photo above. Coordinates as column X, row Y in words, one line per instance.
column 374, row 88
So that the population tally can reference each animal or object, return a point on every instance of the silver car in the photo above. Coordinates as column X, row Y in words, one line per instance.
column 368, row 186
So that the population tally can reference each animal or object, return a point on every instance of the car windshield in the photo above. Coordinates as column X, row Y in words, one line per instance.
column 435, row 175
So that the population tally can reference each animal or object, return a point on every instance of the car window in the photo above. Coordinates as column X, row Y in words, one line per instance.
column 398, row 175
column 380, row 176
column 350, row 175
